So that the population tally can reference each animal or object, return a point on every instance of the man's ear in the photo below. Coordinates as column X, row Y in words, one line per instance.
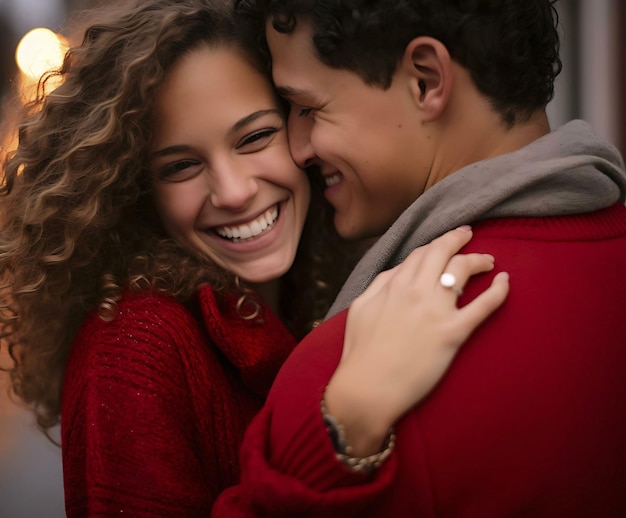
column 429, row 66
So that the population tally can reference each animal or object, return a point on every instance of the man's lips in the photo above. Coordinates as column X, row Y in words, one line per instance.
column 333, row 179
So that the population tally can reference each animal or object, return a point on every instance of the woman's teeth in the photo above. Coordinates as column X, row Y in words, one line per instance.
column 240, row 232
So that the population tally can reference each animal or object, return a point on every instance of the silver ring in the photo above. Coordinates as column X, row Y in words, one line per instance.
column 448, row 280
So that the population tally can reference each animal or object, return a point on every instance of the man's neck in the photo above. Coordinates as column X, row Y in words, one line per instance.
column 475, row 138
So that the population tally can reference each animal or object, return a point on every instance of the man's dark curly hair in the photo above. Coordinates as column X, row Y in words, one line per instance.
column 510, row 47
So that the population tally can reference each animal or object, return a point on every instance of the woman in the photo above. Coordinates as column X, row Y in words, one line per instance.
column 150, row 248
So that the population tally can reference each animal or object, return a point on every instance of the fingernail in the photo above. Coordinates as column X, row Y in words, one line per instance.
column 464, row 227
column 489, row 257
column 503, row 275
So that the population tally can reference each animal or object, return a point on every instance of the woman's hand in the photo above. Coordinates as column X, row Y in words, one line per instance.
column 402, row 334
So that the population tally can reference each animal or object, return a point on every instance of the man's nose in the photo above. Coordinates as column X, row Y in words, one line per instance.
column 232, row 187
column 299, row 131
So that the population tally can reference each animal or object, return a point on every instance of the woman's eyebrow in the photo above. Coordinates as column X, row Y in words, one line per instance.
column 251, row 118
column 170, row 151
column 241, row 123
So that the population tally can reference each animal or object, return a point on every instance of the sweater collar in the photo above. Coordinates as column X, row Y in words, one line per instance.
column 256, row 348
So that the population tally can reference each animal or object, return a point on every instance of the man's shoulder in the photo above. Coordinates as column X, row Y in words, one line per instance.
column 605, row 224
column 316, row 356
column 325, row 340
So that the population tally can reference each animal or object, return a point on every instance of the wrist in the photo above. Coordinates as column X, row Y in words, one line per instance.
column 364, row 420
column 349, row 456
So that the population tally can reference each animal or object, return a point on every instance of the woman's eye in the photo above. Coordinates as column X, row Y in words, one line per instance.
column 179, row 171
column 259, row 138
column 304, row 112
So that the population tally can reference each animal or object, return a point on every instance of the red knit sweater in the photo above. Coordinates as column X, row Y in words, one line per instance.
column 529, row 421
column 155, row 404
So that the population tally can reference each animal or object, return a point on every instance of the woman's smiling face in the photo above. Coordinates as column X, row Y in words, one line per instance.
column 224, row 182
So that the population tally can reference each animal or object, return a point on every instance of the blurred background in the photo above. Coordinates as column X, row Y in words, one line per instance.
column 591, row 87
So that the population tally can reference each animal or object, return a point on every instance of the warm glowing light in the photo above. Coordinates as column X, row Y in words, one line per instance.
column 39, row 51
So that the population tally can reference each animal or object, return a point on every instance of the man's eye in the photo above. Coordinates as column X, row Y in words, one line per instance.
column 258, row 137
column 304, row 112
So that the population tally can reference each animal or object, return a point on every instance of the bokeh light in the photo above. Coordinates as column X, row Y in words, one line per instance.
column 39, row 51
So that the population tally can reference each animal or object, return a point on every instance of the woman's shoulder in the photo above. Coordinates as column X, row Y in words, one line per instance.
column 141, row 309
column 146, row 323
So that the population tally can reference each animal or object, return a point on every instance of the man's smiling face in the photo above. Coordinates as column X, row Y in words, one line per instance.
column 364, row 138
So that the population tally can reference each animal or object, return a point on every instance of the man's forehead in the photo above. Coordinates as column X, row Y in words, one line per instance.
column 293, row 60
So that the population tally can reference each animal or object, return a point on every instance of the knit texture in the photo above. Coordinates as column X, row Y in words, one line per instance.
column 528, row 421
column 155, row 404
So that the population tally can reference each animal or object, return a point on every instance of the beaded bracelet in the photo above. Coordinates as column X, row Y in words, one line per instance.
column 343, row 450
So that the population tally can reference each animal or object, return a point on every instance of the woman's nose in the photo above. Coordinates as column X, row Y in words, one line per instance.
column 232, row 188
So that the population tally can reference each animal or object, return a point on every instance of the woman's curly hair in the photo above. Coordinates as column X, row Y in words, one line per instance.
column 78, row 225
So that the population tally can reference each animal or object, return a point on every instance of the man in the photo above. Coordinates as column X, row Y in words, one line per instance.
column 424, row 115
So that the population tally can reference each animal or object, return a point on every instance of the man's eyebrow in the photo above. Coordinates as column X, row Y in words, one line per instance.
column 251, row 118
column 289, row 91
